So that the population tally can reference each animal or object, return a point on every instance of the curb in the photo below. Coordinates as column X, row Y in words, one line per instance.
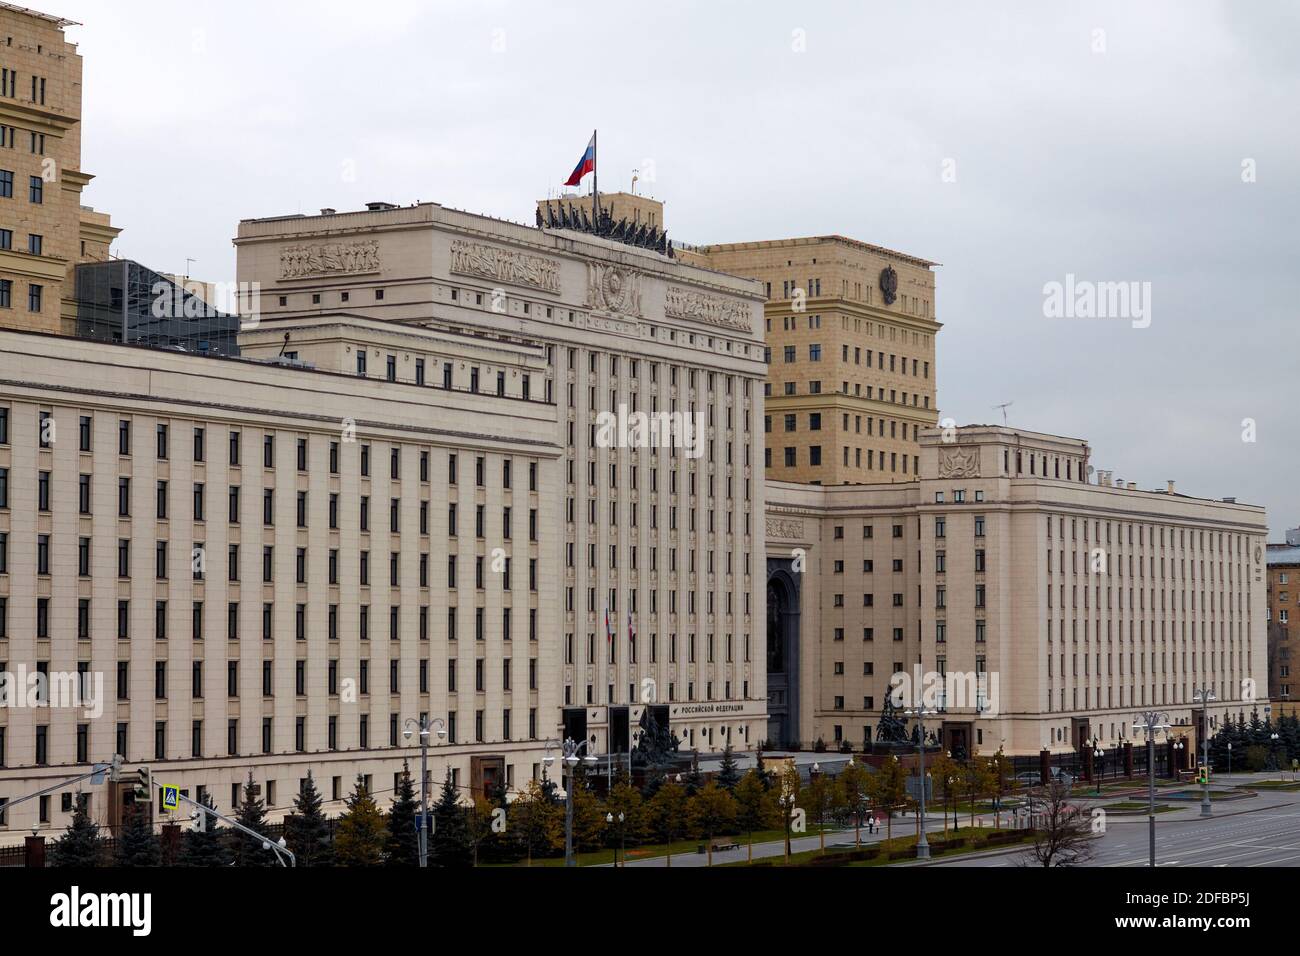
column 984, row 855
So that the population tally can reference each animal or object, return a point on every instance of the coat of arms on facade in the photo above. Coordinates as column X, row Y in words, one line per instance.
column 959, row 463
column 613, row 289
column 889, row 285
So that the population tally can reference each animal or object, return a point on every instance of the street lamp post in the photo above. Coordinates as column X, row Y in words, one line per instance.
column 920, row 712
column 1230, row 760
column 787, row 801
column 1281, row 773
column 425, row 726
column 1098, row 754
column 622, row 834
column 1153, row 722
column 570, row 761
column 948, row 789
column 1205, row 696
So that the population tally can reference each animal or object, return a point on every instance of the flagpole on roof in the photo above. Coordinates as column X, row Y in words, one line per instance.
column 595, row 181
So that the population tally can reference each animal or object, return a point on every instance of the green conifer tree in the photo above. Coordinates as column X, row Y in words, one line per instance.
column 729, row 773
column 206, row 846
column 307, row 830
column 137, row 844
column 403, row 836
column 451, row 844
column 244, row 849
column 82, row 845
column 361, row 834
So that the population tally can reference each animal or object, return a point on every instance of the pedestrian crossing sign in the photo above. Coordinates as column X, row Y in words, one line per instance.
column 171, row 797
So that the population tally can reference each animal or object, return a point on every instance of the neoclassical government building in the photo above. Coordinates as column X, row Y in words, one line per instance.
column 394, row 504
column 1057, row 602
column 399, row 502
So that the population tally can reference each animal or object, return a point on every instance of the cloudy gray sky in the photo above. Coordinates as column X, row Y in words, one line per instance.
column 1113, row 156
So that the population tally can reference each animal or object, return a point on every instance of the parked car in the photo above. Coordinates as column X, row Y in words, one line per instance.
column 1062, row 776
column 1031, row 779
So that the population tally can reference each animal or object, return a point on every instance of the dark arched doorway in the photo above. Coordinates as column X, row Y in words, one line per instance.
column 782, row 654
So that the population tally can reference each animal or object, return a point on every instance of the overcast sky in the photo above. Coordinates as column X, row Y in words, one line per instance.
column 1105, row 141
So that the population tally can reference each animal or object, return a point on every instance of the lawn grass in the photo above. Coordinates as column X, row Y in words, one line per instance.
column 605, row 857
column 977, row 837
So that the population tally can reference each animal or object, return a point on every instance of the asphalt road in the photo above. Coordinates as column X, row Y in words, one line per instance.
column 1261, row 831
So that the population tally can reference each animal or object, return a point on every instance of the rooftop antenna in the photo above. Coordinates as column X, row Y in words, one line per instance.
column 1004, row 406
column 636, row 176
column 189, row 262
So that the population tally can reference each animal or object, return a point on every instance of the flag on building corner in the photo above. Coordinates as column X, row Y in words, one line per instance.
column 609, row 628
column 585, row 165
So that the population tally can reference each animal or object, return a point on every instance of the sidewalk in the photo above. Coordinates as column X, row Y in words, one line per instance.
column 903, row 826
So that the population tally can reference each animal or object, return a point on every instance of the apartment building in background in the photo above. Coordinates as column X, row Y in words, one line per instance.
column 1063, row 603
column 850, row 330
column 44, row 228
column 1283, row 603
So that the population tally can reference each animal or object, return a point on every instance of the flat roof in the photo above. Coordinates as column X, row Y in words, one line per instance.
column 808, row 240
column 47, row 17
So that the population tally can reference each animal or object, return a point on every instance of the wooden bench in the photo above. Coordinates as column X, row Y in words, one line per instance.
column 720, row 845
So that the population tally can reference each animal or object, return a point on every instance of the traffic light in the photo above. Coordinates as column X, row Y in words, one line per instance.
column 1204, row 776
column 144, row 785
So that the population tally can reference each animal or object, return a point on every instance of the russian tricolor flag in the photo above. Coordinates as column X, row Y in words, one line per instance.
column 585, row 165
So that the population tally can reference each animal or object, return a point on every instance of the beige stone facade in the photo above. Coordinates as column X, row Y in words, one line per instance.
column 44, row 230
column 272, row 568
column 850, row 333
column 650, row 533
column 850, row 330
column 429, row 389
column 1083, row 602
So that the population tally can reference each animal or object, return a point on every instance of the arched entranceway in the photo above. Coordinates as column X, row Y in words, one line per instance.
column 782, row 654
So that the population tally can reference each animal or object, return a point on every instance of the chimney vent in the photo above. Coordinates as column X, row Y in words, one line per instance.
column 1293, row 537
column 328, row 212
column 1171, row 487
